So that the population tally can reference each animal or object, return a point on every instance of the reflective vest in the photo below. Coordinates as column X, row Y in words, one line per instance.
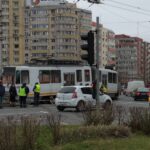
column 37, row 88
column 22, row 91
column 105, row 90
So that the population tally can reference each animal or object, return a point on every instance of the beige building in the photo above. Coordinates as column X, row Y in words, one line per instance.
column 12, row 32
column 48, row 30
column 53, row 32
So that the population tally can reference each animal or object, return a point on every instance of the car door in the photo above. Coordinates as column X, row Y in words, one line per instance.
column 87, row 95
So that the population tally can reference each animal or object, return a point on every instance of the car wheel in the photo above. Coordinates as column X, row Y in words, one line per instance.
column 60, row 108
column 80, row 106
column 107, row 104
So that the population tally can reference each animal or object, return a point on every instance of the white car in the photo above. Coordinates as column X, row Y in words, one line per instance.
column 78, row 97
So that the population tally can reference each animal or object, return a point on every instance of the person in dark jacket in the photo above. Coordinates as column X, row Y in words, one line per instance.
column 2, row 92
column 13, row 94
column 36, row 90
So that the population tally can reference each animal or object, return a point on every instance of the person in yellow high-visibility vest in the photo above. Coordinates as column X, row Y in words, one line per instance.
column 103, row 89
column 36, row 90
column 22, row 95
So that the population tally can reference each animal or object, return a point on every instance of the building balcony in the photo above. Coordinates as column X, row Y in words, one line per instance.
column 4, row 6
column 39, row 51
column 62, row 22
column 5, row 20
column 70, row 36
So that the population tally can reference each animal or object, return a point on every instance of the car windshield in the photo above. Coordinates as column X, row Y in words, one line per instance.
column 143, row 90
column 67, row 90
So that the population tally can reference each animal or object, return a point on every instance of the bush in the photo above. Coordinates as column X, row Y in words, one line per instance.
column 145, row 121
column 120, row 115
column 98, row 116
column 54, row 123
column 89, row 132
column 139, row 119
column 30, row 130
column 135, row 118
column 8, row 132
column 18, row 136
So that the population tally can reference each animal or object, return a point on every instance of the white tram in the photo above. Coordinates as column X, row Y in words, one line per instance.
column 109, row 78
column 52, row 78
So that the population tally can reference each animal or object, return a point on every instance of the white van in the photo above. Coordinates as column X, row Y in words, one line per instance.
column 133, row 85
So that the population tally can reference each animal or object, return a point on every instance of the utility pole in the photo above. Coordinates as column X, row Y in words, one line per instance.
column 97, row 60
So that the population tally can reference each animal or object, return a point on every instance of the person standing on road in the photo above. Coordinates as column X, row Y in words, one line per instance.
column 13, row 94
column 23, row 92
column 103, row 89
column 2, row 92
column 36, row 90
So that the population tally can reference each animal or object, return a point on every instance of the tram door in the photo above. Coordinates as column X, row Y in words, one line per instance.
column 104, row 79
column 69, row 78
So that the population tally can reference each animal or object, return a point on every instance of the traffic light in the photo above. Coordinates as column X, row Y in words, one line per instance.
column 89, row 47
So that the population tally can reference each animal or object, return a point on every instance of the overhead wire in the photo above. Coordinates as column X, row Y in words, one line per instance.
column 124, row 18
column 129, row 5
column 127, row 9
column 128, row 21
column 90, row 5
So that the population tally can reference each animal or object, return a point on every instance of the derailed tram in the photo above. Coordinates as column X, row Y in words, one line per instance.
column 52, row 78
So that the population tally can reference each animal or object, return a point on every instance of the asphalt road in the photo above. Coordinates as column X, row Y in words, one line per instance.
column 69, row 116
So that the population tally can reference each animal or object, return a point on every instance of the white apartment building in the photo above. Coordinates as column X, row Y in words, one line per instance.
column 106, row 46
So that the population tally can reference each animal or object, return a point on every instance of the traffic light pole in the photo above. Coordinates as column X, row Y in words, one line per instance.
column 97, row 60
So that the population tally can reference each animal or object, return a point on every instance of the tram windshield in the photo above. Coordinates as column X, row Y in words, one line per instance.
column 8, row 75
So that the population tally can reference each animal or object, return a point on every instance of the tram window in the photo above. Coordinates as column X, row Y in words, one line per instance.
column 114, row 78
column 110, row 77
column 25, row 76
column 87, row 75
column 18, row 77
column 44, row 76
column 104, row 79
column 79, row 75
column 55, row 76
column 86, row 90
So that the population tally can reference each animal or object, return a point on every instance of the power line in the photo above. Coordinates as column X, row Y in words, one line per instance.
column 128, row 21
column 116, row 14
column 90, row 5
column 126, row 9
column 131, row 6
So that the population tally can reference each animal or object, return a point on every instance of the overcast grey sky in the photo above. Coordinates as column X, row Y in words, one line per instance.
column 131, row 17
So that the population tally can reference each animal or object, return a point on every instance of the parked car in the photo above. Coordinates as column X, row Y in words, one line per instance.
column 133, row 86
column 142, row 94
column 78, row 97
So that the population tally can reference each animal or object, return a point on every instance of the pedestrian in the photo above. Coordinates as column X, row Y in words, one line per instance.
column 12, row 94
column 36, row 90
column 2, row 92
column 103, row 89
column 23, row 92
column 94, row 89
